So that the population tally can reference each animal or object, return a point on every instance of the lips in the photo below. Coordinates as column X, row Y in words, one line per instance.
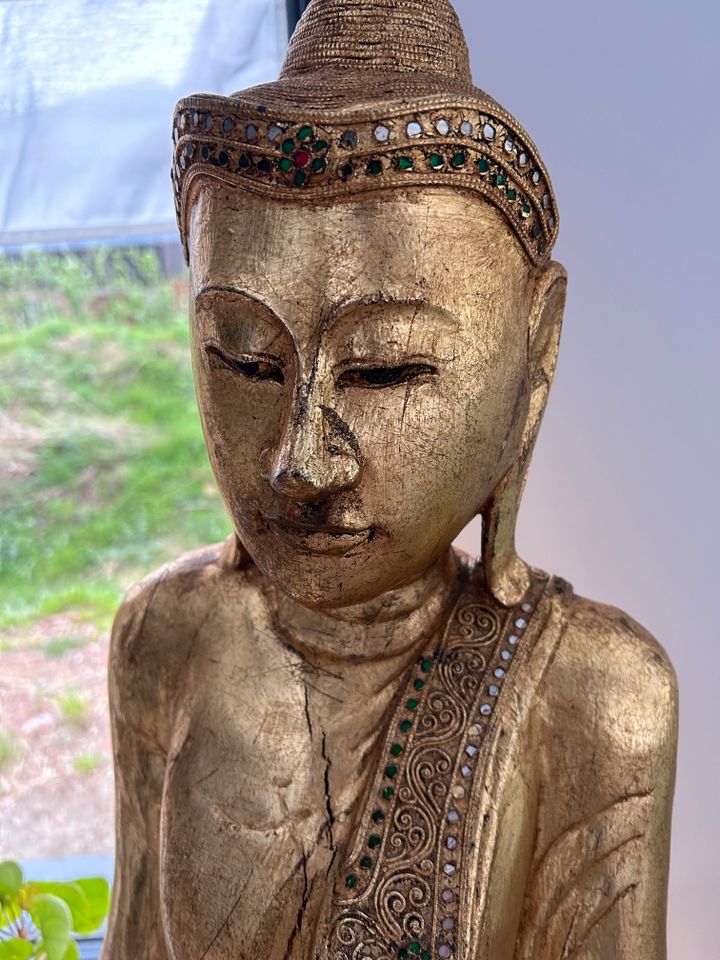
column 326, row 540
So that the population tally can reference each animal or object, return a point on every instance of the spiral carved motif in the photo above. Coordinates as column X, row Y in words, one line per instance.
column 442, row 719
column 402, row 879
column 477, row 624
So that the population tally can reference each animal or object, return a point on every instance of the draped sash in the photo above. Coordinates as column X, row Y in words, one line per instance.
column 408, row 887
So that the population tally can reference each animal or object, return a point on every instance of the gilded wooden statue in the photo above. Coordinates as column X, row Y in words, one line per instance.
column 336, row 736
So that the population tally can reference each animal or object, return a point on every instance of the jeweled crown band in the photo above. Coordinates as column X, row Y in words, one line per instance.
column 466, row 144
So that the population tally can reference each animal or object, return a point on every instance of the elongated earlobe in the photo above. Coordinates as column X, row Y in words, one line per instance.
column 506, row 574
column 233, row 555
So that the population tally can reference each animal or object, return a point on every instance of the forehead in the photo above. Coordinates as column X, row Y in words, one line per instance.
column 306, row 261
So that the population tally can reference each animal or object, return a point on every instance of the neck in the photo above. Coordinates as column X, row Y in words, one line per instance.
column 387, row 626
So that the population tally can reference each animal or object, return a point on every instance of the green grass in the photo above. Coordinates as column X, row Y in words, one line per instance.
column 105, row 474
column 60, row 647
column 86, row 763
column 74, row 706
column 9, row 748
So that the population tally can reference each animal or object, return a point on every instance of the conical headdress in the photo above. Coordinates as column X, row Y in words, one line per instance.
column 372, row 94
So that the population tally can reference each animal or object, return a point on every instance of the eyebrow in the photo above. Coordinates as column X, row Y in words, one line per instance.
column 237, row 291
column 380, row 300
column 342, row 309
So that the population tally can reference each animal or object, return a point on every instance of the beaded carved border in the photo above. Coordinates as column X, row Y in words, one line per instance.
column 400, row 895
column 463, row 145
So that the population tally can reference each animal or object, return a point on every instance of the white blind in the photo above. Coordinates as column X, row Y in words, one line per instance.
column 87, row 89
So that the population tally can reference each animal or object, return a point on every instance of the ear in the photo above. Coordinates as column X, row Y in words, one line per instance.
column 233, row 555
column 506, row 575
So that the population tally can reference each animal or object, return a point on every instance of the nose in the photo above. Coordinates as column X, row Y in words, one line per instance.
column 319, row 455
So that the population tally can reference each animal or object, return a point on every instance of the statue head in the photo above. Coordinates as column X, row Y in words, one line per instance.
column 374, row 314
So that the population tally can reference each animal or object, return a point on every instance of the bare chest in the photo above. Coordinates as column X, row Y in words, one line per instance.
column 294, row 831
column 258, row 803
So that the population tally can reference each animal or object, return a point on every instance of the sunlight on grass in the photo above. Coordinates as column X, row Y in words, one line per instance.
column 86, row 763
column 9, row 748
column 74, row 706
column 103, row 471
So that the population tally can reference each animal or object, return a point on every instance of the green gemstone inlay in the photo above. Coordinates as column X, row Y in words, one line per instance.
column 265, row 165
column 374, row 841
column 244, row 161
column 412, row 704
column 458, row 160
column 414, row 947
column 375, row 167
column 483, row 165
column 436, row 160
column 526, row 210
column 378, row 816
column 299, row 178
column 419, row 684
column 286, row 164
column 537, row 230
column 500, row 180
column 288, row 145
column 388, row 792
column 403, row 954
column 350, row 880
column 406, row 725
column 396, row 749
column 405, row 163
column 391, row 771
column 426, row 665
column 425, row 955
column 320, row 145
column 512, row 195
column 305, row 133
column 366, row 863
column 318, row 165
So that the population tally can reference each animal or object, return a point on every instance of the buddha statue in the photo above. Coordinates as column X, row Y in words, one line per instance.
column 337, row 737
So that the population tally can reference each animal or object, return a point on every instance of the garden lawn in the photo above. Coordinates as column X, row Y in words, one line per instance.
column 103, row 470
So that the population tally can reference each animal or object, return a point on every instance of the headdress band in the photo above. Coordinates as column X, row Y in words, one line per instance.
column 312, row 136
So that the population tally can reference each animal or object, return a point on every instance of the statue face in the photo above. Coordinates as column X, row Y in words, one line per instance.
column 361, row 370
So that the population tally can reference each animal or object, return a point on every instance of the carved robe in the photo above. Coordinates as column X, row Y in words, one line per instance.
column 497, row 799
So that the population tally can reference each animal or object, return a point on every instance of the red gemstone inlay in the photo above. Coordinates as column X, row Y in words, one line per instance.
column 302, row 158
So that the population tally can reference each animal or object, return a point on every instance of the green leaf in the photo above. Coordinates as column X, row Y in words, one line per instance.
column 53, row 918
column 97, row 893
column 86, row 898
column 73, row 896
column 72, row 952
column 16, row 949
column 11, row 879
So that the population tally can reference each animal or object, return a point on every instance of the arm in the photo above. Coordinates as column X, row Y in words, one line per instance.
column 598, row 886
column 135, row 927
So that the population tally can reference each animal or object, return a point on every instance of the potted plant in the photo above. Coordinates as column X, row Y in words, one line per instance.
column 38, row 918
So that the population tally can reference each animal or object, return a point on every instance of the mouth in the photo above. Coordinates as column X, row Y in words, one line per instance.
column 323, row 539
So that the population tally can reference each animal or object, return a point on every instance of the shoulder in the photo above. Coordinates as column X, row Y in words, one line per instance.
column 614, row 679
column 603, row 752
column 160, row 596
column 159, row 624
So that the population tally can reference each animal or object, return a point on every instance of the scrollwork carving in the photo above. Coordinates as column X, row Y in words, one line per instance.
column 417, row 811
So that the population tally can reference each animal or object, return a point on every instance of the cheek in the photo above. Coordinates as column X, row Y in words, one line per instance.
column 240, row 421
column 435, row 452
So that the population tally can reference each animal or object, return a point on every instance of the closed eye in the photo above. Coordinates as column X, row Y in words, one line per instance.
column 254, row 368
column 377, row 377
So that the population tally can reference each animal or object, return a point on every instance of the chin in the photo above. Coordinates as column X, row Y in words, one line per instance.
column 324, row 582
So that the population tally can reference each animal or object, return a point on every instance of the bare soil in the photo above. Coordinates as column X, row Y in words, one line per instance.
column 56, row 778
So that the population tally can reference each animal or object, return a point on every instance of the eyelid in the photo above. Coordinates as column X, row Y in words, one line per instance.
column 404, row 361
column 417, row 372
column 212, row 346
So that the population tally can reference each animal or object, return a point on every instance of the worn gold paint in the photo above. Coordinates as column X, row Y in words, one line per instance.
column 371, row 372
